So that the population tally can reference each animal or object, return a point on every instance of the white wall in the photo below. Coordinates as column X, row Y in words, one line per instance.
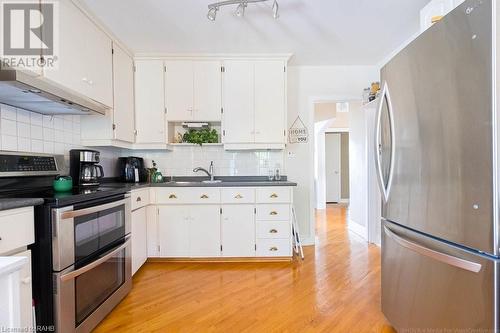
column 306, row 85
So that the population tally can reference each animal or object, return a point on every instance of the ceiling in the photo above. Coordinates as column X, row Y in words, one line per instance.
column 317, row 32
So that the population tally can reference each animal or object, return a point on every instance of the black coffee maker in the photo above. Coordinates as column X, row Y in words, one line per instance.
column 132, row 169
column 84, row 167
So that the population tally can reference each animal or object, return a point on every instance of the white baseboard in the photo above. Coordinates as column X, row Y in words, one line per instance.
column 358, row 229
column 308, row 241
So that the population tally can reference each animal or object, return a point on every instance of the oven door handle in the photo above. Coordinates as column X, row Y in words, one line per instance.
column 86, row 211
column 94, row 264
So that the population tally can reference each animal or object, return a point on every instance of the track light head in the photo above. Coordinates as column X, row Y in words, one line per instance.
column 276, row 8
column 240, row 10
column 212, row 13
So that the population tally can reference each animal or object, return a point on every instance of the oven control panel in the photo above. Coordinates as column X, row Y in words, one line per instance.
column 11, row 164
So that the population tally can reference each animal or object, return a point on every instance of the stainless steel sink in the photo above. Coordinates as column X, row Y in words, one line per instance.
column 180, row 182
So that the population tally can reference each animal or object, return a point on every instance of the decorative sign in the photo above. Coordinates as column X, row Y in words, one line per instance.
column 298, row 132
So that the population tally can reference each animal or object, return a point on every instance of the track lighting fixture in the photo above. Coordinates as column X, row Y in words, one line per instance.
column 240, row 10
column 212, row 13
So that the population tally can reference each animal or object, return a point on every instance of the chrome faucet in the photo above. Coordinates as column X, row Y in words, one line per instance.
column 209, row 173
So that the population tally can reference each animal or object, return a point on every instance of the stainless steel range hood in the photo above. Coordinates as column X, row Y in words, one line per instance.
column 37, row 94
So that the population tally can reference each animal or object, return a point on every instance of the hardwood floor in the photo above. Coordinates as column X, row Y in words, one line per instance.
column 335, row 289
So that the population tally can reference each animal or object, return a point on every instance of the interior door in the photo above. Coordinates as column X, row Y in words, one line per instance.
column 442, row 182
column 239, row 102
column 173, row 227
column 149, row 102
column 269, row 102
column 207, row 90
column 332, row 166
column 238, row 231
column 123, row 83
column 431, row 286
column 204, row 231
column 179, row 90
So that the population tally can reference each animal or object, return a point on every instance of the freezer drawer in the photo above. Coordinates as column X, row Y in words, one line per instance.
column 429, row 285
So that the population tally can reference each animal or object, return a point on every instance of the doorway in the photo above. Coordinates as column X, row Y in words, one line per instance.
column 333, row 174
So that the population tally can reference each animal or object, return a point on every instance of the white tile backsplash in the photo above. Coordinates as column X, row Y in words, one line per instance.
column 8, row 112
column 183, row 159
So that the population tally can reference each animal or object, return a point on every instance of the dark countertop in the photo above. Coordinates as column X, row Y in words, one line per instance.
column 229, row 181
column 12, row 203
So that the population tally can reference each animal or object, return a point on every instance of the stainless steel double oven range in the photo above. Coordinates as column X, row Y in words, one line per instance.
column 81, row 257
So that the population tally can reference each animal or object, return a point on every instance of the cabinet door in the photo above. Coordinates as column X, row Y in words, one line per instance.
column 238, row 231
column 238, row 97
column 204, row 231
column 174, row 231
column 72, row 64
column 179, row 90
column 26, row 298
column 207, row 90
column 149, row 102
column 139, row 238
column 269, row 102
column 123, row 83
column 99, row 63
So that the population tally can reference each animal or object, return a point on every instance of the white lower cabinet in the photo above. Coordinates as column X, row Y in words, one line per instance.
column 189, row 231
column 238, row 230
column 139, row 238
column 220, row 222
column 14, row 239
column 204, row 231
column 173, row 228
column 26, row 303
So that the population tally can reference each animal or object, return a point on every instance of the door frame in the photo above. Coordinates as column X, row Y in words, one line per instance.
column 312, row 100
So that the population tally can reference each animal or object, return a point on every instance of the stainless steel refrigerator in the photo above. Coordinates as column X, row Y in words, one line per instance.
column 438, row 166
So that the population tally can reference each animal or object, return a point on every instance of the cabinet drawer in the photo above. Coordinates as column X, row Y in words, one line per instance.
column 17, row 229
column 238, row 195
column 278, row 212
column 273, row 194
column 191, row 195
column 274, row 247
column 139, row 198
column 273, row 229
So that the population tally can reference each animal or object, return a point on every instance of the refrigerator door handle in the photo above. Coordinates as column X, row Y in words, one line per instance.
column 439, row 256
column 385, row 185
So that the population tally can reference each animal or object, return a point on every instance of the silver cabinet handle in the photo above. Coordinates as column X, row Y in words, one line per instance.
column 439, row 256
column 138, row 199
column 94, row 264
column 86, row 211
column 273, row 249
column 273, row 231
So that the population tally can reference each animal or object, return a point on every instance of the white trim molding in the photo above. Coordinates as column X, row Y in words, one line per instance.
column 358, row 229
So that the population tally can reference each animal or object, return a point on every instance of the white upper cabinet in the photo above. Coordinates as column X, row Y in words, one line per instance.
column 238, row 102
column 193, row 90
column 179, row 90
column 123, row 79
column 269, row 102
column 84, row 59
column 207, row 91
column 118, row 123
column 149, row 101
column 254, row 103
